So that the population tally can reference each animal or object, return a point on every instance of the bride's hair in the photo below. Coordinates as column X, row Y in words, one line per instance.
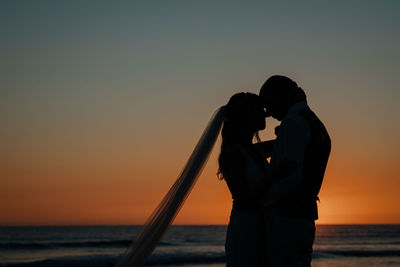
column 237, row 123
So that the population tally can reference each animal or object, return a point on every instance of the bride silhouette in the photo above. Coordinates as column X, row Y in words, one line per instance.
column 244, row 168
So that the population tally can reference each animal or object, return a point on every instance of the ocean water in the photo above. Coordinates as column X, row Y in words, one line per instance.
column 336, row 245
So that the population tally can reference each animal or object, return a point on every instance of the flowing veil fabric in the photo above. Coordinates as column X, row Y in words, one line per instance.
column 158, row 222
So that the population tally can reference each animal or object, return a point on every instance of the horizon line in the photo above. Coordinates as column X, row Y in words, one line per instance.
column 116, row 225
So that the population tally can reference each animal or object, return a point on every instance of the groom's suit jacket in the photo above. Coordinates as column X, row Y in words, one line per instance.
column 302, row 138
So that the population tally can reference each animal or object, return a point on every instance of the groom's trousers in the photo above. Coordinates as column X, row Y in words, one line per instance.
column 289, row 241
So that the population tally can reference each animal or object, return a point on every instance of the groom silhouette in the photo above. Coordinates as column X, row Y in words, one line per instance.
column 291, row 201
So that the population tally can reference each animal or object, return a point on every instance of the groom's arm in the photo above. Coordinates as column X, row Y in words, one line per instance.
column 293, row 138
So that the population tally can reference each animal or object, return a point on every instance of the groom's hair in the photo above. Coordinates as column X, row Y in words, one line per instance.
column 282, row 86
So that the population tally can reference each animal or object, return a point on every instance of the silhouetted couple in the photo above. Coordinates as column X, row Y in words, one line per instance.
column 274, row 209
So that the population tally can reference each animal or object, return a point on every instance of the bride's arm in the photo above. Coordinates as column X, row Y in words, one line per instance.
column 233, row 172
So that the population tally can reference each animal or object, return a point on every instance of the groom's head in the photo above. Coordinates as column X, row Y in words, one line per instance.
column 278, row 94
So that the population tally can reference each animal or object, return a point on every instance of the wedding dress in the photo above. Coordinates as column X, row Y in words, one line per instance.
column 245, row 238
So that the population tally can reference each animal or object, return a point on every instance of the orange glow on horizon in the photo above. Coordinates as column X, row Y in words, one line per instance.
column 73, row 199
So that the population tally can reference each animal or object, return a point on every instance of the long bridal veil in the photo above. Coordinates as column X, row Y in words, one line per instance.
column 163, row 215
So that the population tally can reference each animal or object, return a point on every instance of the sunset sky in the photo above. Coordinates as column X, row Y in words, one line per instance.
column 101, row 103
